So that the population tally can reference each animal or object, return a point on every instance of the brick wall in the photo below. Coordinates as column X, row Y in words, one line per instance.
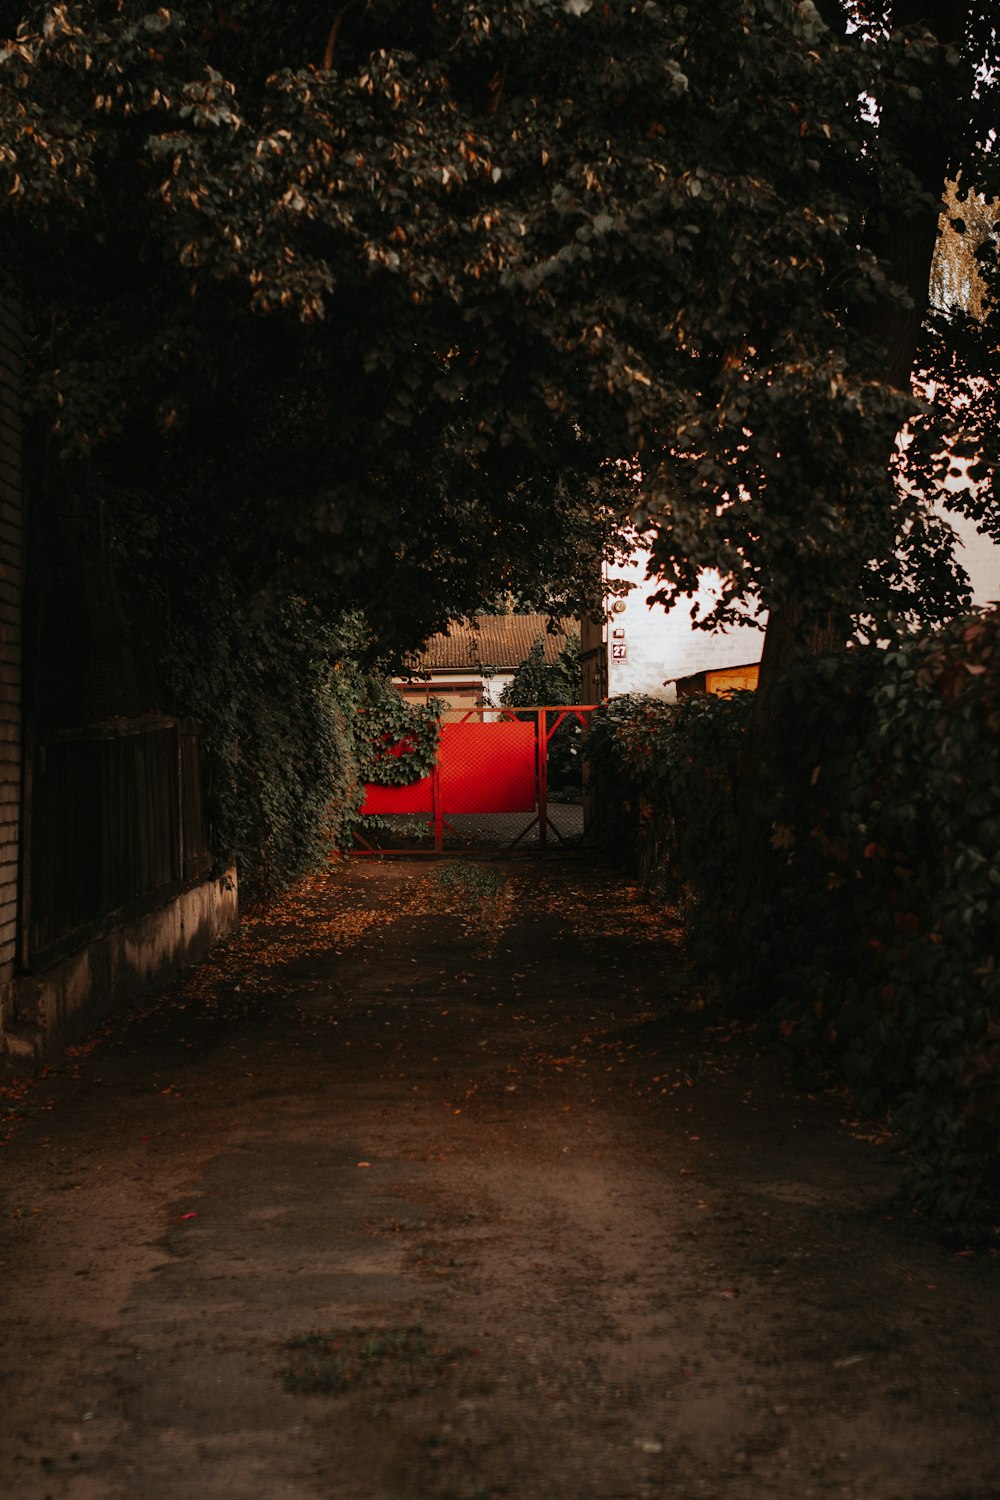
column 11, row 552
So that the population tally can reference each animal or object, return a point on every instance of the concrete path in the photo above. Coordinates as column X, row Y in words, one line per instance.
column 440, row 1182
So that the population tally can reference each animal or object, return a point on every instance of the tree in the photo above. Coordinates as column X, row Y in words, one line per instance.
column 222, row 323
column 505, row 243
column 541, row 684
column 422, row 292
column 250, row 455
column 538, row 683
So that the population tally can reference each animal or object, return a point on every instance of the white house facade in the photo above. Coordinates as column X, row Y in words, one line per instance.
column 648, row 649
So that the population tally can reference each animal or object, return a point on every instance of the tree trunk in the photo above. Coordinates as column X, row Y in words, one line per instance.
column 791, row 636
column 905, row 247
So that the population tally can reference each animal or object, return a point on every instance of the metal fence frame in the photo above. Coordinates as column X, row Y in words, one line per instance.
column 548, row 719
column 113, row 827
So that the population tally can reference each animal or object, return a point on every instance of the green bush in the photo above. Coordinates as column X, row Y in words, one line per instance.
column 877, row 931
column 538, row 684
column 664, row 775
column 395, row 742
column 892, row 814
column 292, row 727
column 293, row 718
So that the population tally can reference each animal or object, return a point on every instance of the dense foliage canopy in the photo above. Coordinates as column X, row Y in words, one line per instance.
column 250, row 324
column 383, row 311
column 413, row 293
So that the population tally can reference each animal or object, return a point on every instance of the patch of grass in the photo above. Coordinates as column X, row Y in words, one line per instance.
column 330, row 1363
column 467, row 879
column 478, row 892
column 317, row 1364
column 398, row 1226
column 433, row 1259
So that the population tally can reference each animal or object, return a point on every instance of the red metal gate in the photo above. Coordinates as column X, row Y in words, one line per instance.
column 492, row 761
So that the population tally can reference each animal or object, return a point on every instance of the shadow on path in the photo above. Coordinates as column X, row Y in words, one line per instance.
column 452, row 1190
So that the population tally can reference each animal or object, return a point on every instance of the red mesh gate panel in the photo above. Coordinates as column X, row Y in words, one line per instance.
column 416, row 798
column 489, row 768
column 492, row 764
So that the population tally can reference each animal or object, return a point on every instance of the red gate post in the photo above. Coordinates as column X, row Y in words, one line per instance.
column 543, row 777
column 437, row 810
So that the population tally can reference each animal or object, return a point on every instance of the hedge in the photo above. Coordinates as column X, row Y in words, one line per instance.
column 879, row 929
column 292, row 727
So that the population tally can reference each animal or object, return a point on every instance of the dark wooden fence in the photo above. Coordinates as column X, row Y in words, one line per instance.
column 113, row 824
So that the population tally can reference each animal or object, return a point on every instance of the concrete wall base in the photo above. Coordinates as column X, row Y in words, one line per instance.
column 55, row 1007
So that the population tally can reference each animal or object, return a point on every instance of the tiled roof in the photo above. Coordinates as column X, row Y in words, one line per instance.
column 498, row 641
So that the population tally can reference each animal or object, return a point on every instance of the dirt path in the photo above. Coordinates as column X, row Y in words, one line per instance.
column 388, row 1204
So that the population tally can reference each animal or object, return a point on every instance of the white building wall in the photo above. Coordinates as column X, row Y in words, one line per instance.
column 662, row 645
column 981, row 560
